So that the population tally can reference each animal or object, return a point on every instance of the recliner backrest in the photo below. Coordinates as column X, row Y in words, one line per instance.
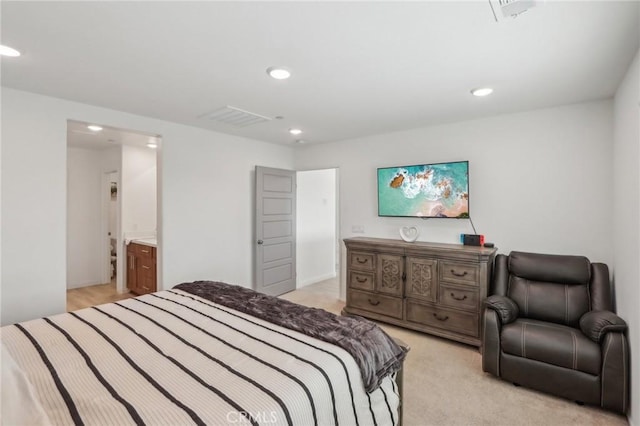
column 551, row 288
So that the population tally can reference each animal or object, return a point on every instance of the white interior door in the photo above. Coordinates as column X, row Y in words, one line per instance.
column 275, row 230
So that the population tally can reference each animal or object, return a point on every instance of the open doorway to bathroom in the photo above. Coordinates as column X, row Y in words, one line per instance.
column 111, row 198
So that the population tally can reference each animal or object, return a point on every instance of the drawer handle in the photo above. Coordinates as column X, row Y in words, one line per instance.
column 362, row 280
column 439, row 318
column 145, row 251
column 145, row 267
column 458, row 298
column 146, row 288
column 376, row 303
column 453, row 271
column 362, row 261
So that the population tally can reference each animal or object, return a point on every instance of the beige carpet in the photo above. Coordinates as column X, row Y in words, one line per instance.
column 444, row 383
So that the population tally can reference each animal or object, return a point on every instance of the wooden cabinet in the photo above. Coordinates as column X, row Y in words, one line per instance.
column 132, row 278
column 430, row 287
column 141, row 268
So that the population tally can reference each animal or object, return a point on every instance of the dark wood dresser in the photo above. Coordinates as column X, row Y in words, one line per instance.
column 430, row 287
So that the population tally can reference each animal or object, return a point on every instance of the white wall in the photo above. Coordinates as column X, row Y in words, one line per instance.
column 208, row 203
column 34, row 207
column 84, row 217
column 315, row 226
column 539, row 180
column 625, row 217
column 138, row 190
column 207, row 200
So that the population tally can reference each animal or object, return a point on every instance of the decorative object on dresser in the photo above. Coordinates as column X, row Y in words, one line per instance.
column 141, row 268
column 409, row 233
column 431, row 287
column 550, row 325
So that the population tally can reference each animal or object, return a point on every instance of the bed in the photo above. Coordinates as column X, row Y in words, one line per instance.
column 200, row 353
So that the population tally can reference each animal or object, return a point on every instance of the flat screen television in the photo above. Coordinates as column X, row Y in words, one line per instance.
column 425, row 190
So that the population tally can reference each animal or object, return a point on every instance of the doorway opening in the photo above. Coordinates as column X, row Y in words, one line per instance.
column 297, row 233
column 112, row 198
column 317, row 234
column 111, row 185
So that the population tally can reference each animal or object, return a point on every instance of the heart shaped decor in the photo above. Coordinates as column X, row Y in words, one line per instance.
column 409, row 233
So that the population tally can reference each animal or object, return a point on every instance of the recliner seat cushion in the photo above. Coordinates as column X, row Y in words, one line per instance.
column 555, row 302
column 551, row 343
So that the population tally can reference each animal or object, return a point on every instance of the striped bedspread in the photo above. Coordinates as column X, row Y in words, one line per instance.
column 172, row 358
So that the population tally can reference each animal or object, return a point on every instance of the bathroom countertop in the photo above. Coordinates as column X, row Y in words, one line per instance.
column 152, row 242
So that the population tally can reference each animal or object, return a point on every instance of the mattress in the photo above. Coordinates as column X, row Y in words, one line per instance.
column 172, row 358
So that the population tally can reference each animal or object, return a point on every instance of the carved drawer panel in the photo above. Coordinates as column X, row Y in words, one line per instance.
column 362, row 261
column 373, row 302
column 390, row 274
column 446, row 319
column 459, row 297
column 361, row 280
column 458, row 272
column 422, row 277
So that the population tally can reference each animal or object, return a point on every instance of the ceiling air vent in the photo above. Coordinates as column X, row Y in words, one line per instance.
column 511, row 8
column 235, row 116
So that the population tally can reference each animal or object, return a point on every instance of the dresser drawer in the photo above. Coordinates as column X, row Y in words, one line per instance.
column 372, row 302
column 361, row 280
column 145, row 251
column 147, row 265
column 458, row 272
column 362, row 261
column 459, row 297
column 446, row 319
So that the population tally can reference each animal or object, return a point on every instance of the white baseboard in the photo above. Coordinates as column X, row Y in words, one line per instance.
column 315, row 279
column 79, row 285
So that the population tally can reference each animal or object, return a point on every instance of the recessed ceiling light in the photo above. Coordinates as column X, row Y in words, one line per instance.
column 94, row 128
column 8, row 51
column 483, row 91
column 152, row 145
column 279, row 73
column 295, row 131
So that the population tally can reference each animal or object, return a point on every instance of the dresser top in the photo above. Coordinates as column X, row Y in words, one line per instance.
column 423, row 246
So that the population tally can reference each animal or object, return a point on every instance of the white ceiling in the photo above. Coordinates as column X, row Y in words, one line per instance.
column 80, row 136
column 359, row 68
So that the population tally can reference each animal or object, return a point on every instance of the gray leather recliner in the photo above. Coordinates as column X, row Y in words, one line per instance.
column 549, row 325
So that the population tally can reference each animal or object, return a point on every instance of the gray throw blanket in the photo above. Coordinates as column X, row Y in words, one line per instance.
column 374, row 351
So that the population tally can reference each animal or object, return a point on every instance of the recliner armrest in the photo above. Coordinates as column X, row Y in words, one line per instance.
column 595, row 324
column 506, row 308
